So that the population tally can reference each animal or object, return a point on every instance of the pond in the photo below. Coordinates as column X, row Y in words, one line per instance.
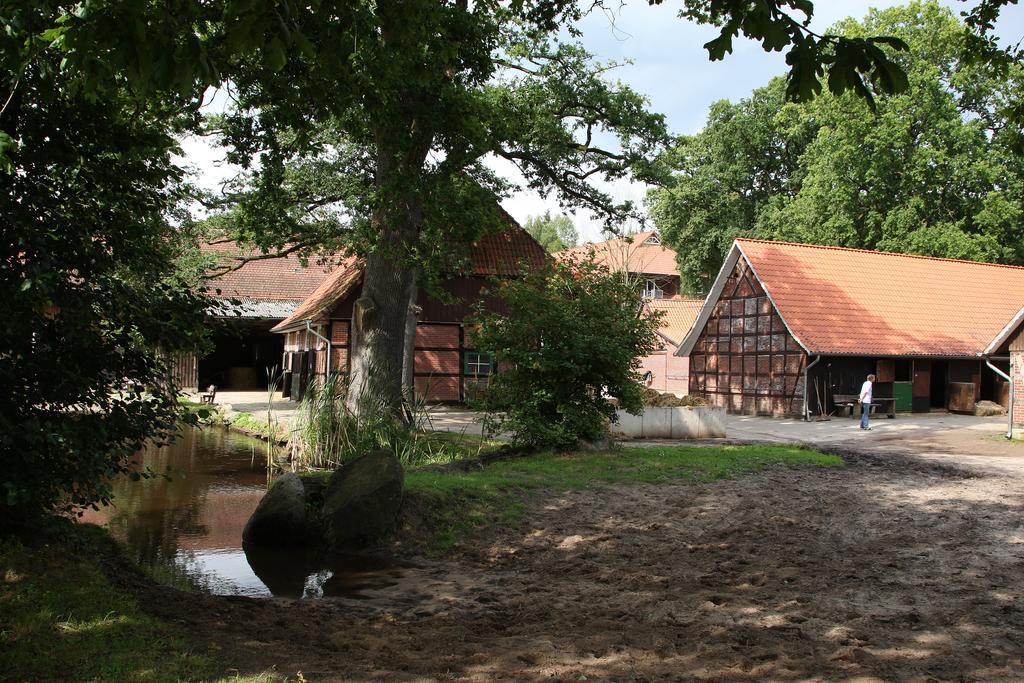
column 186, row 529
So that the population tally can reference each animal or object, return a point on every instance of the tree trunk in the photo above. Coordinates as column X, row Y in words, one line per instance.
column 380, row 317
column 379, row 322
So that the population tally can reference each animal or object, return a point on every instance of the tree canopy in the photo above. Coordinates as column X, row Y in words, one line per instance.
column 553, row 232
column 87, row 279
column 934, row 171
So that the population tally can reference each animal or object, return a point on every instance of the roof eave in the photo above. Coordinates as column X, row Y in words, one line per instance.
column 1004, row 334
column 690, row 339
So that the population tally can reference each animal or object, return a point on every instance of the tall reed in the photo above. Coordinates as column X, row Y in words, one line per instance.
column 327, row 434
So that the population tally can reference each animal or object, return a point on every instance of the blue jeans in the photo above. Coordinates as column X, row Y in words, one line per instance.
column 865, row 410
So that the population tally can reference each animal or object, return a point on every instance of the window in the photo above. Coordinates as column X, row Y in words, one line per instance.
column 652, row 291
column 479, row 364
column 653, row 239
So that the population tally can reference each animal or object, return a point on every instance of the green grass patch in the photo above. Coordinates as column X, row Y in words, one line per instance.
column 61, row 619
column 442, row 447
column 255, row 425
column 204, row 411
column 448, row 507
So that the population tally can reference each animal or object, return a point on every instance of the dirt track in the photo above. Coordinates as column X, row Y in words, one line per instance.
column 891, row 568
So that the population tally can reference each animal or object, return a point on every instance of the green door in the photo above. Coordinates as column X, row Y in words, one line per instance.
column 903, row 393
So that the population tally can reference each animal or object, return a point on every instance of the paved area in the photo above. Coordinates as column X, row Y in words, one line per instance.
column 453, row 419
column 965, row 439
column 438, row 418
column 255, row 402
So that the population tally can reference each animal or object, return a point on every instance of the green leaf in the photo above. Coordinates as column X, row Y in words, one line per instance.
column 274, row 56
column 7, row 146
column 892, row 41
column 718, row 47
column 302, row 42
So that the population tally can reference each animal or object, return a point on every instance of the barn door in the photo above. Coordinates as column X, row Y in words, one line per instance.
column 921, row 402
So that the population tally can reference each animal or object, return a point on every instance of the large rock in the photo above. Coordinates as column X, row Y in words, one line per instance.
column 285, row 516
column 363, row 498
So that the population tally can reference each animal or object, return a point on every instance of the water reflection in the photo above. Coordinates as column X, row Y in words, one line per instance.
column 187, row 530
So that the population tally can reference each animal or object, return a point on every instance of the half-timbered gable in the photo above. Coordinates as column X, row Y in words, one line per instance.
column 745, row 359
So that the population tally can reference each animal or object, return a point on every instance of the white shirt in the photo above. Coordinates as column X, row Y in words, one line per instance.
column 865, row 392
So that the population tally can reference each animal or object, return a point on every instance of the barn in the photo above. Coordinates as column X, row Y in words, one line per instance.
column 447, row 368
column 793, row 329
column 250, row 297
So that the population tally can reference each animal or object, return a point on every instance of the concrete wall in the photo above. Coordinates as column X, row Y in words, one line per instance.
column 704, row 422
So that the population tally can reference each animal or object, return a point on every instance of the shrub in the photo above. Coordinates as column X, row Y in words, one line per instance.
column 572, row 334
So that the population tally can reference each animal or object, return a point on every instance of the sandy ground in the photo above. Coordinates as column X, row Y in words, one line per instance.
column 895, row 567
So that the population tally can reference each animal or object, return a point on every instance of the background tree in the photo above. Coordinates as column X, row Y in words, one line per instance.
column 572, row 334
column 933, row 171
column 553, row 232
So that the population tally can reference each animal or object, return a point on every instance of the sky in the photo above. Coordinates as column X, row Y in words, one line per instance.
column 670, row 68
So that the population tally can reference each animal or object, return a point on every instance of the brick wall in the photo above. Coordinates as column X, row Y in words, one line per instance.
column 1017, row 375
column 437, row 336
column 656, row 364
column 677, row 373
column 670, row 372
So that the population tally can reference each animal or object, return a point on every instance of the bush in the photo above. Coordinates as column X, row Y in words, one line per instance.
column 572, row 334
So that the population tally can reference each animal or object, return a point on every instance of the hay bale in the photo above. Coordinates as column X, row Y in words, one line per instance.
column 988, row 408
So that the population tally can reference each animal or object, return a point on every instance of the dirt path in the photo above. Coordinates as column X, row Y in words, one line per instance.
column 890, row 568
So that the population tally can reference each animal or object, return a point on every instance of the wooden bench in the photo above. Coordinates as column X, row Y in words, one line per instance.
column 847, row 402
column 851, row 401
column 211, row 393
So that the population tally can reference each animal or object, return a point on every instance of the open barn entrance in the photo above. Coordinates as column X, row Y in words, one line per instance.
column 243, row 353
column 937, row 392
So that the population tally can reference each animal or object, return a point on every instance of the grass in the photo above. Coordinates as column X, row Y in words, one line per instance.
column 452, row 506
column 255, row 425
column 62, row 619
column 328, row 434
column 204, row 411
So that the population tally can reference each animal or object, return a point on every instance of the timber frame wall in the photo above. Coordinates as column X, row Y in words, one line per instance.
column 745, row 359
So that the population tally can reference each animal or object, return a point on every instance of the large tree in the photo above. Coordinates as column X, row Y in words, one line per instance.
column 419, row 96
column 933, row 171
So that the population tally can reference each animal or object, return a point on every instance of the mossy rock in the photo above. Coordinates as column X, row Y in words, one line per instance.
column 287, row 515
column 363, row 499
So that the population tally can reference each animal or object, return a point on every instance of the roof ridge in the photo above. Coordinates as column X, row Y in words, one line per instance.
column 877, row 252
column 680, row 300
column 619, row 238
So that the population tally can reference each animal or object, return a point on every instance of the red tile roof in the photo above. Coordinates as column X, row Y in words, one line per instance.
column 629, row 254
column 678, row 317
column 274, row 279
column 336, row 286
column 858, row 302
column 499, row 254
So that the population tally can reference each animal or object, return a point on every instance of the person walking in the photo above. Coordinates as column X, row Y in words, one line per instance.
column 865, row 401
